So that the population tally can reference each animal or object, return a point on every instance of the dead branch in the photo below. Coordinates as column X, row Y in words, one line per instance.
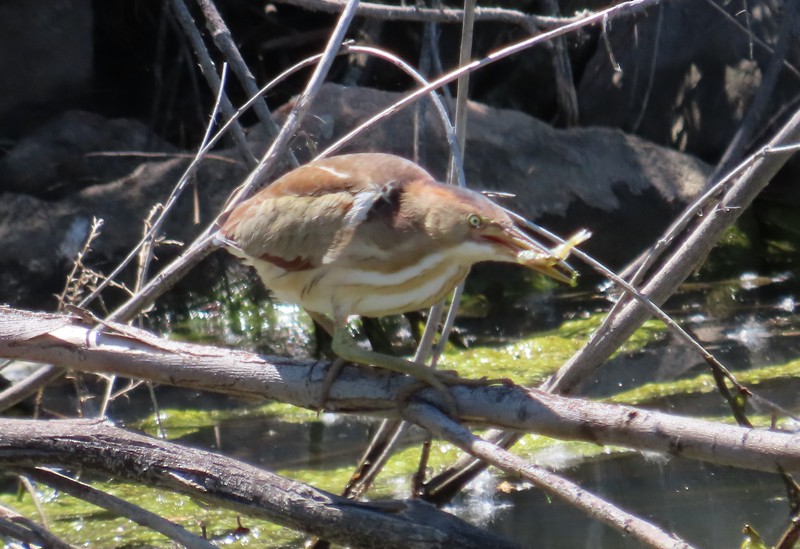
column 118, row 506
column 100, row 447
column 209, row 71
column 130, row 352
column 224, row 41
column 431, row 418
column 432, row 15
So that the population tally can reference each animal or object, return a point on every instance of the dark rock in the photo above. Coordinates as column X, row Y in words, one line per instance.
column 46, row 56
column 76, row 150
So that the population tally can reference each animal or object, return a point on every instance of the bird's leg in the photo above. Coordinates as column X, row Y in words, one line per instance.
column 345, row 347
column 336, row 366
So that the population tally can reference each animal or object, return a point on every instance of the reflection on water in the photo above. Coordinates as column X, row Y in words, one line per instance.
column 706, row 505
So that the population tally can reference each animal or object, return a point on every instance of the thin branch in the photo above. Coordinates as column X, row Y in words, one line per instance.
column 117, row 506
column 566, row 96
column 591, row 505
column 209, row 72
column 14, row 525
column 434, row 15
column 651, row 75
column 224, row 41
column 462, row 94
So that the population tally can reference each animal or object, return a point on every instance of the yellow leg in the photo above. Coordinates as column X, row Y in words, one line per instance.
column 345, row 347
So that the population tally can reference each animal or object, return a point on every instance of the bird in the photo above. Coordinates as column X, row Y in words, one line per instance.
column 374, row 234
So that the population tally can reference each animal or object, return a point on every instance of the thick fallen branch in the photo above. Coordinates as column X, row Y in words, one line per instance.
column 128, row 352
column 99, row 447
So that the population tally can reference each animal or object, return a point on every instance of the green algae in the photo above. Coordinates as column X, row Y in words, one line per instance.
column 81, row 523
column 179, row 422
column 530, row 360
column 704, row 384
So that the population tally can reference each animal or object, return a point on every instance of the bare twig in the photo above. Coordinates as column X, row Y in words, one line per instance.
column 224, row 41
column 37, row 501
column 462, row 95
column 653, row 64
column 593, row 506
column 16, row 526
column 80, row 276
column 436, row 15
column 566, row 96
column 207, row 68
column 609, row 50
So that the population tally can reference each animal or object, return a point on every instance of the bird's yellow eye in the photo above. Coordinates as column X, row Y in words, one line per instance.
column 474, row 220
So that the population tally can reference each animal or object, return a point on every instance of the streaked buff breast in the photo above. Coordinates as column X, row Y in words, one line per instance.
column 374, row 299
column 357, row 291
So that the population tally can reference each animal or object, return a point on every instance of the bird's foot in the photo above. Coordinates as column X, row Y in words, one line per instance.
column 441, row 379
column 479, row 382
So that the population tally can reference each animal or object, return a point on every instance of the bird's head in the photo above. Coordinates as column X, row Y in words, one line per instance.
column 470, row 225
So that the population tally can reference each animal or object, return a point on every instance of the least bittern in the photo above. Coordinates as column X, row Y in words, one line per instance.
column 374, row 234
